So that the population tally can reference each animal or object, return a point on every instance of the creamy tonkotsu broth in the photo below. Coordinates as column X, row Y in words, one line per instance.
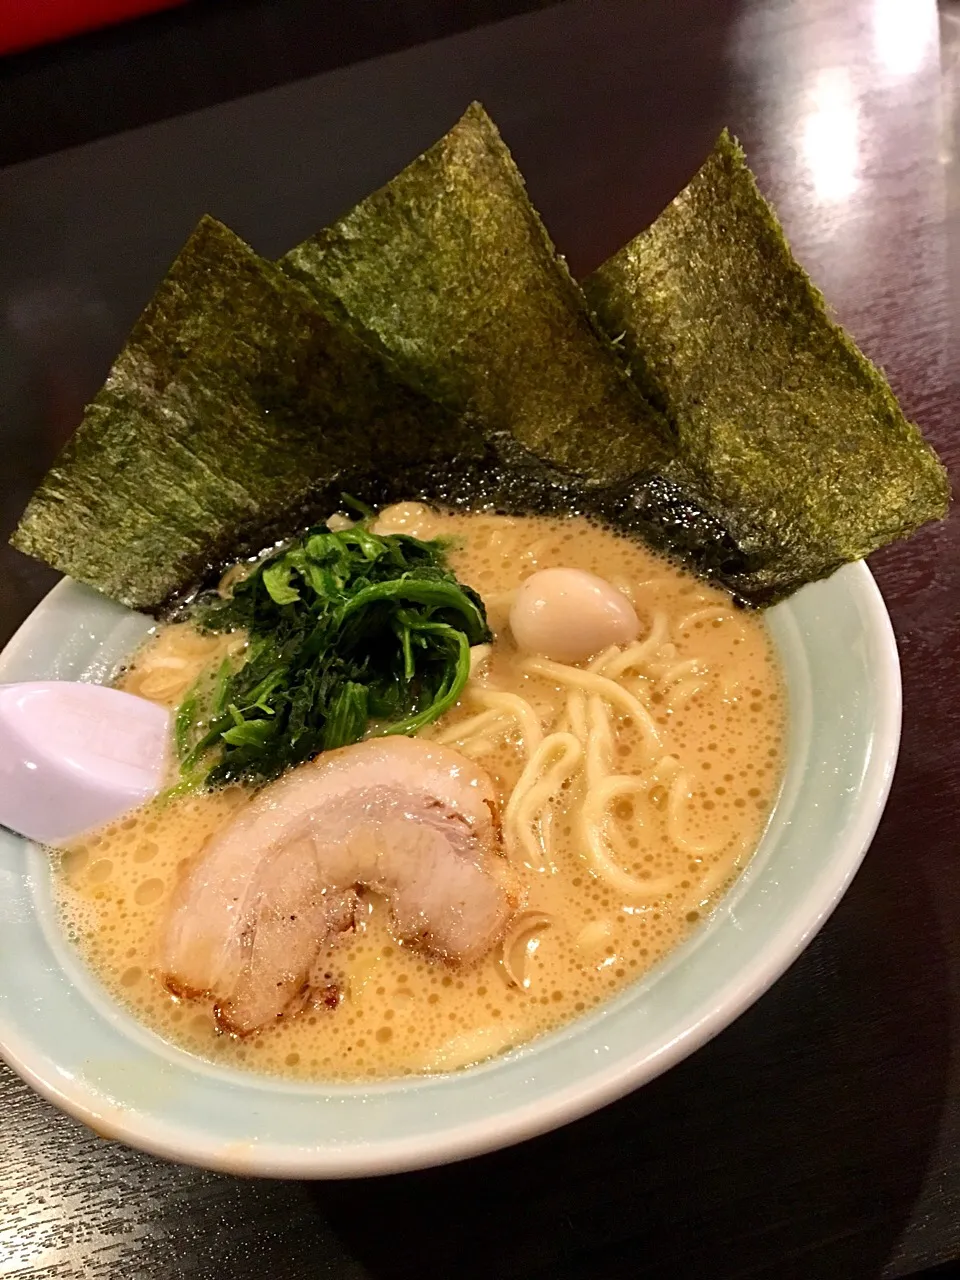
column 618, row 852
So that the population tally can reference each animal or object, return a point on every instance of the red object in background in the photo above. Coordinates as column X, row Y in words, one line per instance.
column 25, row 23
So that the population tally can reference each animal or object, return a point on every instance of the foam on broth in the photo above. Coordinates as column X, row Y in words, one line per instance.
column 402, row 1013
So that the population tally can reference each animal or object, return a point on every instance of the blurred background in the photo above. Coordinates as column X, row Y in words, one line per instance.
column 131, row 62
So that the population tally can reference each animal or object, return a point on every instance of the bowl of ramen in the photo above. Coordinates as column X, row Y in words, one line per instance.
column 521, row 736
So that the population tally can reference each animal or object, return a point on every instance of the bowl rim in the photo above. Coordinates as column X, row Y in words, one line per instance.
column 181, row 1143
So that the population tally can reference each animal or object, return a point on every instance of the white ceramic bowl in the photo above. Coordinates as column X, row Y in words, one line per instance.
column 67, row 1038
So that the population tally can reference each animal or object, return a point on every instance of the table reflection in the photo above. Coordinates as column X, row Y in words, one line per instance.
column 830, row 132
column 904, row 33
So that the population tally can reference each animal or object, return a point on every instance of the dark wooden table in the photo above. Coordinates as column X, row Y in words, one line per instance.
column 820, row 1135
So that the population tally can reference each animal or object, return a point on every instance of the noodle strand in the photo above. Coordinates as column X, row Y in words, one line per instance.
column 594, row 818
column 599, row 742
column 536, row 787
column 577, row 714
column 634, row 655
column 719, row 612
column 680, row 792
column 519, row 708
column 465, row 729
column 608, row 689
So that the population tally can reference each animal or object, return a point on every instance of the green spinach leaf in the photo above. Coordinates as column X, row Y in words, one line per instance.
column 350, row 634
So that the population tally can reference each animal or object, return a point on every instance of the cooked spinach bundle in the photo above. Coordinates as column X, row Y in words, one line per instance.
column 350, row 634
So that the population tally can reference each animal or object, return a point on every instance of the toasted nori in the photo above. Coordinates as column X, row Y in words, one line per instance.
column 508, row 478
column 795, row 439
column 433, row 344
column 235, row 398
column 450, row 270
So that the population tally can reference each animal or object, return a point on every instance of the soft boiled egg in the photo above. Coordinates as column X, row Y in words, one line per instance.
column 568, row 615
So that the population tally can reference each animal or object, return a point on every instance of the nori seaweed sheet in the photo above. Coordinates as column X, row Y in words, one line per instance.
column 508, row 478
column 449, row 269
column 235, row 399
column 795, row 439
column 249, row 398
